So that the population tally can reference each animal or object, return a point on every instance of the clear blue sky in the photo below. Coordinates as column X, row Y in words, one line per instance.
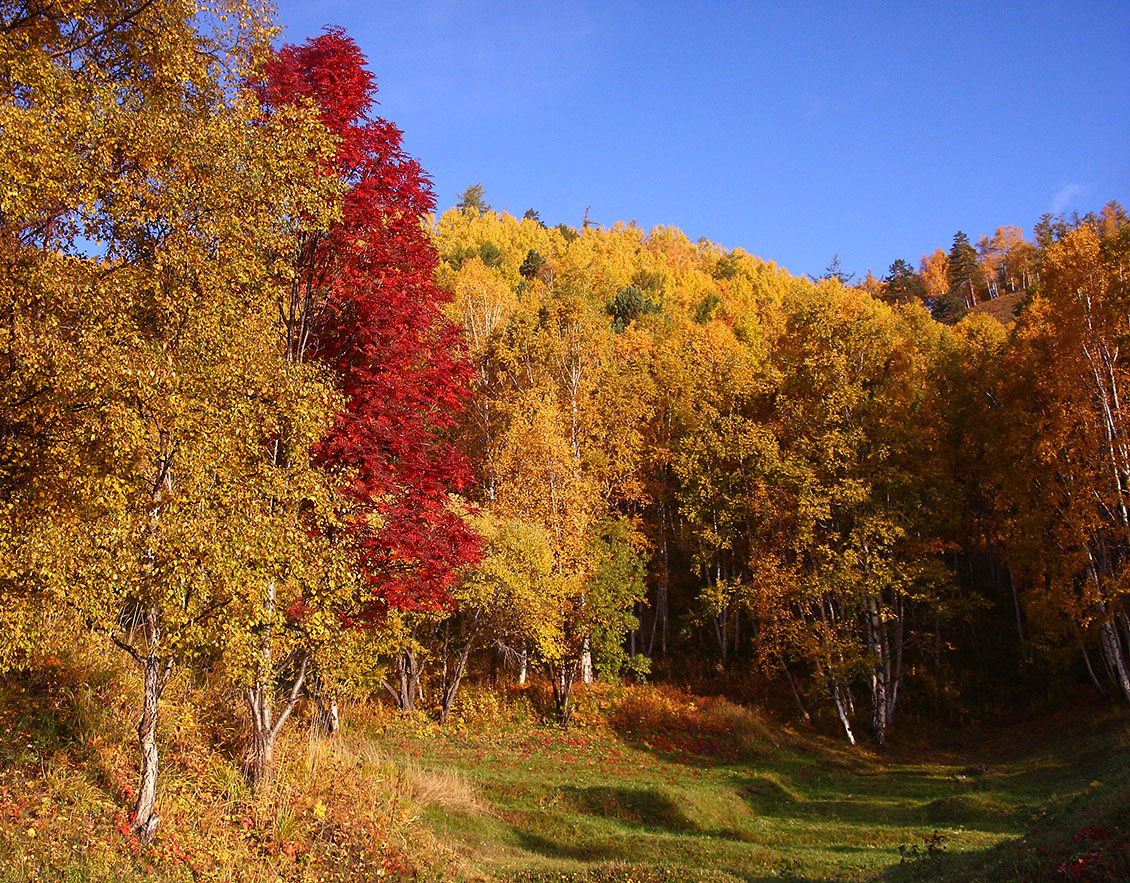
column 794, row 130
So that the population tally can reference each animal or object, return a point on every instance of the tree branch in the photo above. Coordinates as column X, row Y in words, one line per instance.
column 124, row 646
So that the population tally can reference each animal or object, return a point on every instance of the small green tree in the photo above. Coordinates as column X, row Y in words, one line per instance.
column 617, row 584
column 532, row 265
column 509, row 598
column 472, row 198
column 903, row 284
column 629, row 304
column 963, row 269
column 835, row 271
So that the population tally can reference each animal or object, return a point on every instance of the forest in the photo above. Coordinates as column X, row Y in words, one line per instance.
column 285, row 450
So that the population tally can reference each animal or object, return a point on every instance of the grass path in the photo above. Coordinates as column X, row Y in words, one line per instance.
column 707, row 791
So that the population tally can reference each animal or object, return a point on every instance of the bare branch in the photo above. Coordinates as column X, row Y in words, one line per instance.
column 126, row 19
column 124, row 646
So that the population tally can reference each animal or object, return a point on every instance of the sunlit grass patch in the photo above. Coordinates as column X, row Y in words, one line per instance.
column 624, row 797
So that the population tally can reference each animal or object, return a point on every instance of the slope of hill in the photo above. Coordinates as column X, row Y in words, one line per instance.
column 1004, row 308
column 650, row 784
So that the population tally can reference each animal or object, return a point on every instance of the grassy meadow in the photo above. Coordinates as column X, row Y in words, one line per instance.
column 658, row 785
column 649, row 784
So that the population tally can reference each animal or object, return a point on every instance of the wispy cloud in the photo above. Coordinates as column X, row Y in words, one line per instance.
column 1066, row 195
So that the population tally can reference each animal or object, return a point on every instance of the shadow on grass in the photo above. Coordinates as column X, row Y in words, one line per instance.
column 646, row 822
column 880, row 808
column 54, row 710
column 1087, row 837
column 638, row 873
column 639, row 807
column 45, row 713
column 555, row 849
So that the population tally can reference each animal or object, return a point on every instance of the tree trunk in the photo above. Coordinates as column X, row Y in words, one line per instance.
column 721, row 618
column 1026, row 654
column 659, row 620
column 796, row 694
column 328, row 718
column 880, row 671
column 843, row 709
column 452, row 679
column 262, row 757
column 1112, row 652
column 329, row 714
column 721, row 634
column 562, row 679
column 260, row 696
column 841, row 695
column 145, row 818
column 452, row 686
column 406, row 696
column 586, row 661
column 408, row 671
column 156, row 672
column 884, row 625
column 265, row 727
column 1090, row 669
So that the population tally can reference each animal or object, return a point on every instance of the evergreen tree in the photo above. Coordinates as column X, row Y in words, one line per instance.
column 472, row 198
column 963, row 269
column 532, row 265
column 903, row 285
column 835, row 271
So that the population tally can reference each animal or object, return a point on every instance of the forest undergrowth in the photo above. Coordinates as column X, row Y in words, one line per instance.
column 649, row 783
column 334, row 811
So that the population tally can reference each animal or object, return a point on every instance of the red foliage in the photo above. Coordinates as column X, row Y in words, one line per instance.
column 400, row 363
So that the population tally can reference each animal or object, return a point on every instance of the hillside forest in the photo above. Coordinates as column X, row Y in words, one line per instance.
column 270, row 423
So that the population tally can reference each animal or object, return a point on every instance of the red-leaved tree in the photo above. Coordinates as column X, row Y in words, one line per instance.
column 364, row 302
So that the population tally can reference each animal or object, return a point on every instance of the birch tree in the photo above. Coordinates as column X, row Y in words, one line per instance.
column 161, row 196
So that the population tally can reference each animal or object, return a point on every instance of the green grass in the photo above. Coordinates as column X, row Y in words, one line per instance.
column 649, row 785
column 684, row 796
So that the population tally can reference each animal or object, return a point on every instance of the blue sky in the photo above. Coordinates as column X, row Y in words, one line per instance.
column 792, row 130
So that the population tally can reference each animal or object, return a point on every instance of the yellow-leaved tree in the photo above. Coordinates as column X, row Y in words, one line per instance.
column 1068, row 518
column 145, row 391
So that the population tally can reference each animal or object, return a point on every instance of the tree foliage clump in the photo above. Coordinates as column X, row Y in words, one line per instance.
column 816, row 474
column 223, row 419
